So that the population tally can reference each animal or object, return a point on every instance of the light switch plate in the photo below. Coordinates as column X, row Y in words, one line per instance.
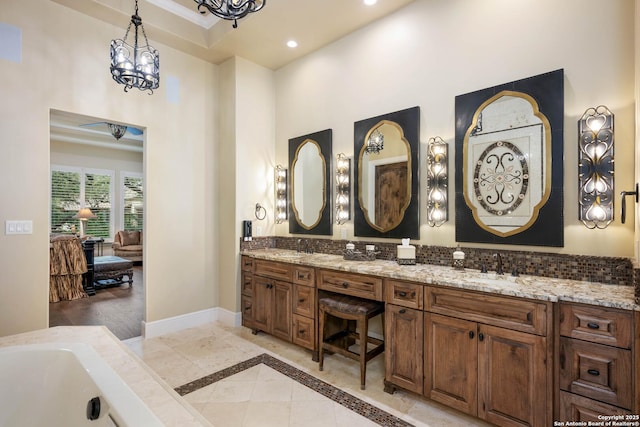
column 18, row 227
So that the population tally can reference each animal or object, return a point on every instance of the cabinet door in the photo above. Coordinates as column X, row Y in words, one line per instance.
column 512, row 378
column 451, row 359
column 404, row 338
column 262, row 305
column 282, row 323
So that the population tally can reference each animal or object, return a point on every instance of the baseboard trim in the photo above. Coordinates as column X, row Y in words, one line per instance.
column 190, row 320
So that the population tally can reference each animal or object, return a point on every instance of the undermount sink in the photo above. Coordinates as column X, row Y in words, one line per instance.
column 292, row 255
column 492, row 279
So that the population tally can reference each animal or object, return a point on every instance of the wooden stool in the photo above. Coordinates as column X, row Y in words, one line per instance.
column 355, row 314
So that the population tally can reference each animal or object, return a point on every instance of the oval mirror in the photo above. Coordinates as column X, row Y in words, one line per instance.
column 308, row 184
column 507, row 161
column 384, row 176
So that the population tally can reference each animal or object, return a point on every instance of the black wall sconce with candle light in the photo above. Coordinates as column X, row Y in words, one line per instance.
column 437, row 160
column 596, row 168
column 343, row 189
column 280, row 183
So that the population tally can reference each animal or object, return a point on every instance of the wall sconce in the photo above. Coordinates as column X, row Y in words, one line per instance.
column 437, row 159
column 595, row 167
column 343, row 189
column 281, row 194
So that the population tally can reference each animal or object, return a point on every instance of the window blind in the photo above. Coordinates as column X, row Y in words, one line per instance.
column 133, row 205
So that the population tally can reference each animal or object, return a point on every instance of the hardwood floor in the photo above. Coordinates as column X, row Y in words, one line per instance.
column 120, row 309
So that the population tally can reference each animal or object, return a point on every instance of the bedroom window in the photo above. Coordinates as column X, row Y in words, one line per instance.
column 75, row 188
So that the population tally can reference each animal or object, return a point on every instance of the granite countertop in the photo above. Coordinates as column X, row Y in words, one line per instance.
column 163, row 401
column 534, row 287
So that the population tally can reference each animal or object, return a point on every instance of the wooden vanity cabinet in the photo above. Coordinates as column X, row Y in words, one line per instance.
column 404, row 336
column 279, row 299
column 597, row 375
column 272, row 307
column 487, row 356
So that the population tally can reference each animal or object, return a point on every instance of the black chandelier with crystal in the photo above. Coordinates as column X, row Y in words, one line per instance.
column 231, row 10
column 138, row 65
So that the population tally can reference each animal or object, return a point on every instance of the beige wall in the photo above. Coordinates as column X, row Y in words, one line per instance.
column 247, row 100
column 432, row 50
column 201, row 185
column 65, row 66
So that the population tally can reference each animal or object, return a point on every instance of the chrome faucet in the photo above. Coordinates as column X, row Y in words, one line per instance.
column 299, row 245
column 498, row 258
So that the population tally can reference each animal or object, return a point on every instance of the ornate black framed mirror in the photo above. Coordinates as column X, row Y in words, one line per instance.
column 310, row 184
column 386, row 194
column 509, row 163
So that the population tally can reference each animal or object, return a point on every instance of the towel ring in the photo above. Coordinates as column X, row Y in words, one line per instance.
column 261, row 212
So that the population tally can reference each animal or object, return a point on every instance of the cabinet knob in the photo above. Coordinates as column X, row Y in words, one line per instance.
column 402, row 294
column 593, row 372
column 345, row 284
column 301, row 300
column 480, row 336
column 592, row 325
column 402, row 311
column 471, row 334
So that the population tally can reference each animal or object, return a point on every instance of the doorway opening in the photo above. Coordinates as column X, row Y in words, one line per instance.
column 98, row 164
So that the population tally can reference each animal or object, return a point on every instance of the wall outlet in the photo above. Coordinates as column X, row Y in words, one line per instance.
column 18, row 227
column 343, row 233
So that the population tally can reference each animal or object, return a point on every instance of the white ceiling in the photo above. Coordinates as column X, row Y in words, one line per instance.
column 260, row 37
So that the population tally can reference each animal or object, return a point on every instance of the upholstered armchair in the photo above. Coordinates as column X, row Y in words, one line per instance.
column 128, row 244
column 67, row 264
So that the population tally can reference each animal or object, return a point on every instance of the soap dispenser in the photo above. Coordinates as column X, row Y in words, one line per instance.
column 458, row 259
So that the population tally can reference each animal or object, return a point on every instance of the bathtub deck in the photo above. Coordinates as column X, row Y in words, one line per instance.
column 170, row 408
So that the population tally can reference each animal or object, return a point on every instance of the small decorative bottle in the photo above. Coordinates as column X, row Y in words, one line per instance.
column 458, row 259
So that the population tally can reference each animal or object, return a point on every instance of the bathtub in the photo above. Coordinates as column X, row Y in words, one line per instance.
column 65, row 385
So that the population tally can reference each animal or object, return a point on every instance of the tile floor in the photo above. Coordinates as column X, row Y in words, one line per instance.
column 247, row 391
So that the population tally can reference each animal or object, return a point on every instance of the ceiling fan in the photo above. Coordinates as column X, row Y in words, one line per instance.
column 117, row 130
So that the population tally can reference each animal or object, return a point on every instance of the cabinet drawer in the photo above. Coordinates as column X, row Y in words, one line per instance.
column 275, row 270
column 304, row 276
column 403, row 293
column 351, row 284
column 304, row 301
column 246, row 263
column 597, row 324
column 596, row 371
column 247, row 284
column 577, row 408
column 511, row 313
column 247, row 311
column 304, row 332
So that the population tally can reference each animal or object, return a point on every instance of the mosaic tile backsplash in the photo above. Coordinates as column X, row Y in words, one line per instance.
column 610, row 270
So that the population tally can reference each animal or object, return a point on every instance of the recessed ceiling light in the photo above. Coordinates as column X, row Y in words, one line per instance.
column 292, row 43
column 370, row 2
